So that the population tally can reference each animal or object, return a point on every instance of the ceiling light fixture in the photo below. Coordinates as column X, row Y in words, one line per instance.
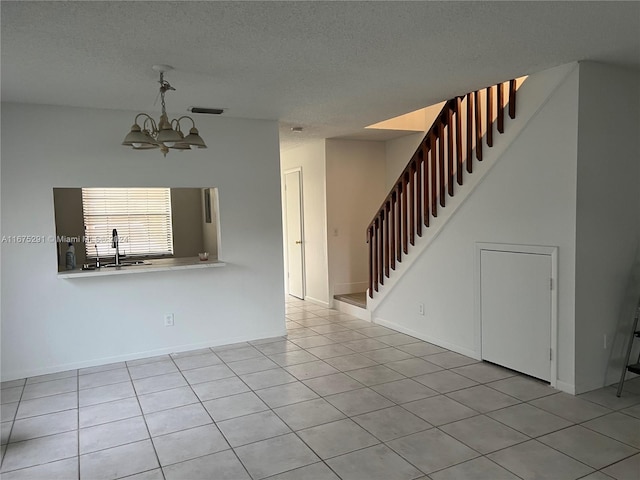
column 165, row 134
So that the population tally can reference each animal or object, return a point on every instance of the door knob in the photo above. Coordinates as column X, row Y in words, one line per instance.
column 298, row 242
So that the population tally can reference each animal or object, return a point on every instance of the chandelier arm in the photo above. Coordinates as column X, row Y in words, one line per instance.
column 193, row 123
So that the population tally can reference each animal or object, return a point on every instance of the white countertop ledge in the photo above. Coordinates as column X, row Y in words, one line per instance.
column 161, row 265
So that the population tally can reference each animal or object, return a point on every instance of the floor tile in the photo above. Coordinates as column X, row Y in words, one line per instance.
column 451, row 359
column 40, row 450
column 287, row 394
column 607, row 398
column 386, row 354
column 41, row 406
column 308, row 414
column 238, row 354
column 432, row 450
column 188, row 444
column 222, row 465
column 365, row 345
column 52, row 376
column 331, row 384
column 421, row 349
column 5, row 431
column 190, row 353
column 403, row 391
column 181, row 418
column 145, row 360
column 633, row 411
column 529, row 420
column 109, row 412
column 315, row 471
column 108, row 377
column 275, row 455
column 219, row 388
column 337, row 438
column 412, row 367
column 197, row 361
column 484, row 434
column 159, row 383
column 107, row 393
column 374, row 463
column 278, row 347
column 265, row 341
column 621, row 427
column 312, row 341
column 345, row 336
column 53, row 387
column 10, row 395
column 350, row 362
column 60, row 470
column 293, row 358
column 477, row 469
column 329, row 351
column 484, row 372
column 329, row 328
column 376, row 331
column 268, row 378
column 301, row 332
column 108, row 435
column 207, row 374
column 101, row 368
column 13, row 383
column 8, row 412
column 482, row 398
column 523, row 388
column 118, row 461
column 533, row 460
column 252, row 365
column 234, row 406
column 43, row 425
column 375, row 375
column 305, row 371
column 626, row 469
column 570, row 407
column 176, row 397
column 390, row 423
column 445, row 381
column 587, row 446
column 314, row 321
column 252, row 428
column 230, row 346
column 356, row 402
column 356, row 324
column 397, row 339
column 439, row 410
column 155, row 474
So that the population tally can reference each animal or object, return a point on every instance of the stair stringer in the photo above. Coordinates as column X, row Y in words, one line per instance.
column 541, row 85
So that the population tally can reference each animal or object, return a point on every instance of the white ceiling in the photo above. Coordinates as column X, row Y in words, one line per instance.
column 331, row 67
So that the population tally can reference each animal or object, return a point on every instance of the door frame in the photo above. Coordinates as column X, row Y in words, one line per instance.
column 529, row 249
column 286, row 230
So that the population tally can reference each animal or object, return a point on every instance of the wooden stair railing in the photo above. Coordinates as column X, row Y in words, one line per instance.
column 437, row 164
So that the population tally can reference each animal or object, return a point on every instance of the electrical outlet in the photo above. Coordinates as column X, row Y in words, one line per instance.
column 421, row 308
column 168, row 320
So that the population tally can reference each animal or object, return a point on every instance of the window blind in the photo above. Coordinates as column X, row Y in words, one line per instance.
column 142, row 217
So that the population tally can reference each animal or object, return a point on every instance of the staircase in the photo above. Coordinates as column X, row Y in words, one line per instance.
column 436, row 172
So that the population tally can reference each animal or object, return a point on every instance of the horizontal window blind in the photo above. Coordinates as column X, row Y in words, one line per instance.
column 142, row 217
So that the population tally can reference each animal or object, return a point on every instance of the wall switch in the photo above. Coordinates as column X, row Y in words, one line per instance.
column 168, row 320
column 335, row 232
column 421, row 308
column 605, row 341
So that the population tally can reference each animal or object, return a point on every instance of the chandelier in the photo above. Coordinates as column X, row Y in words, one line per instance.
column 165, row 134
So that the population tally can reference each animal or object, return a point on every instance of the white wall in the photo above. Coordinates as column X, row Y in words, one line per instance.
column 398, row 152
column 355, row 190
column 51, row 324
column 608, row 217
column 311, row 158
column 528, row 198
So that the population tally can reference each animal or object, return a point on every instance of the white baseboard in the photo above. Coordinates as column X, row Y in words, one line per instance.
column 344, row 307
column 20, row 374
column 427, row 338
column 569, row 388
column 317, row 302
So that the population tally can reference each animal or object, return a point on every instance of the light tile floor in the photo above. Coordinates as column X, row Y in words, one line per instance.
column 336, row 398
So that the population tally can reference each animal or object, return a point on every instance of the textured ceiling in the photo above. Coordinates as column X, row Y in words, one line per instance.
column 332, row 67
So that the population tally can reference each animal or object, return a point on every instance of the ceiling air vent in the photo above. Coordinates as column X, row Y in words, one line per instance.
column 208, row 111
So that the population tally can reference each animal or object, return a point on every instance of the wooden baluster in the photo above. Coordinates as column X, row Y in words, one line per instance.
column 405, row 237
column 434, row 177
column 370, row 242
column 412, row 205
column 460, row 165
column 512, row 98
column 387, row 230
column 490, row 116
column 392, row 228
column 425, row 181
column 470, row 132
column 376, row 240
column 476, row 96
column 418, row 180
column 451, row 174
column 500, row 108
column 399, row 195
column 381, row 248
column 441, row 164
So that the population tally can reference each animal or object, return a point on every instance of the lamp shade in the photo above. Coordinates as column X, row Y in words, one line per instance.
column 137, row 136
column 194, row 140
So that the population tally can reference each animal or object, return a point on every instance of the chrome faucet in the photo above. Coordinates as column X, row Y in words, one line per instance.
column 115, row 244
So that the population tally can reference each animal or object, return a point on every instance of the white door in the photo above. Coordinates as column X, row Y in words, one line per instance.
column 515, row 296
column 295, row 253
